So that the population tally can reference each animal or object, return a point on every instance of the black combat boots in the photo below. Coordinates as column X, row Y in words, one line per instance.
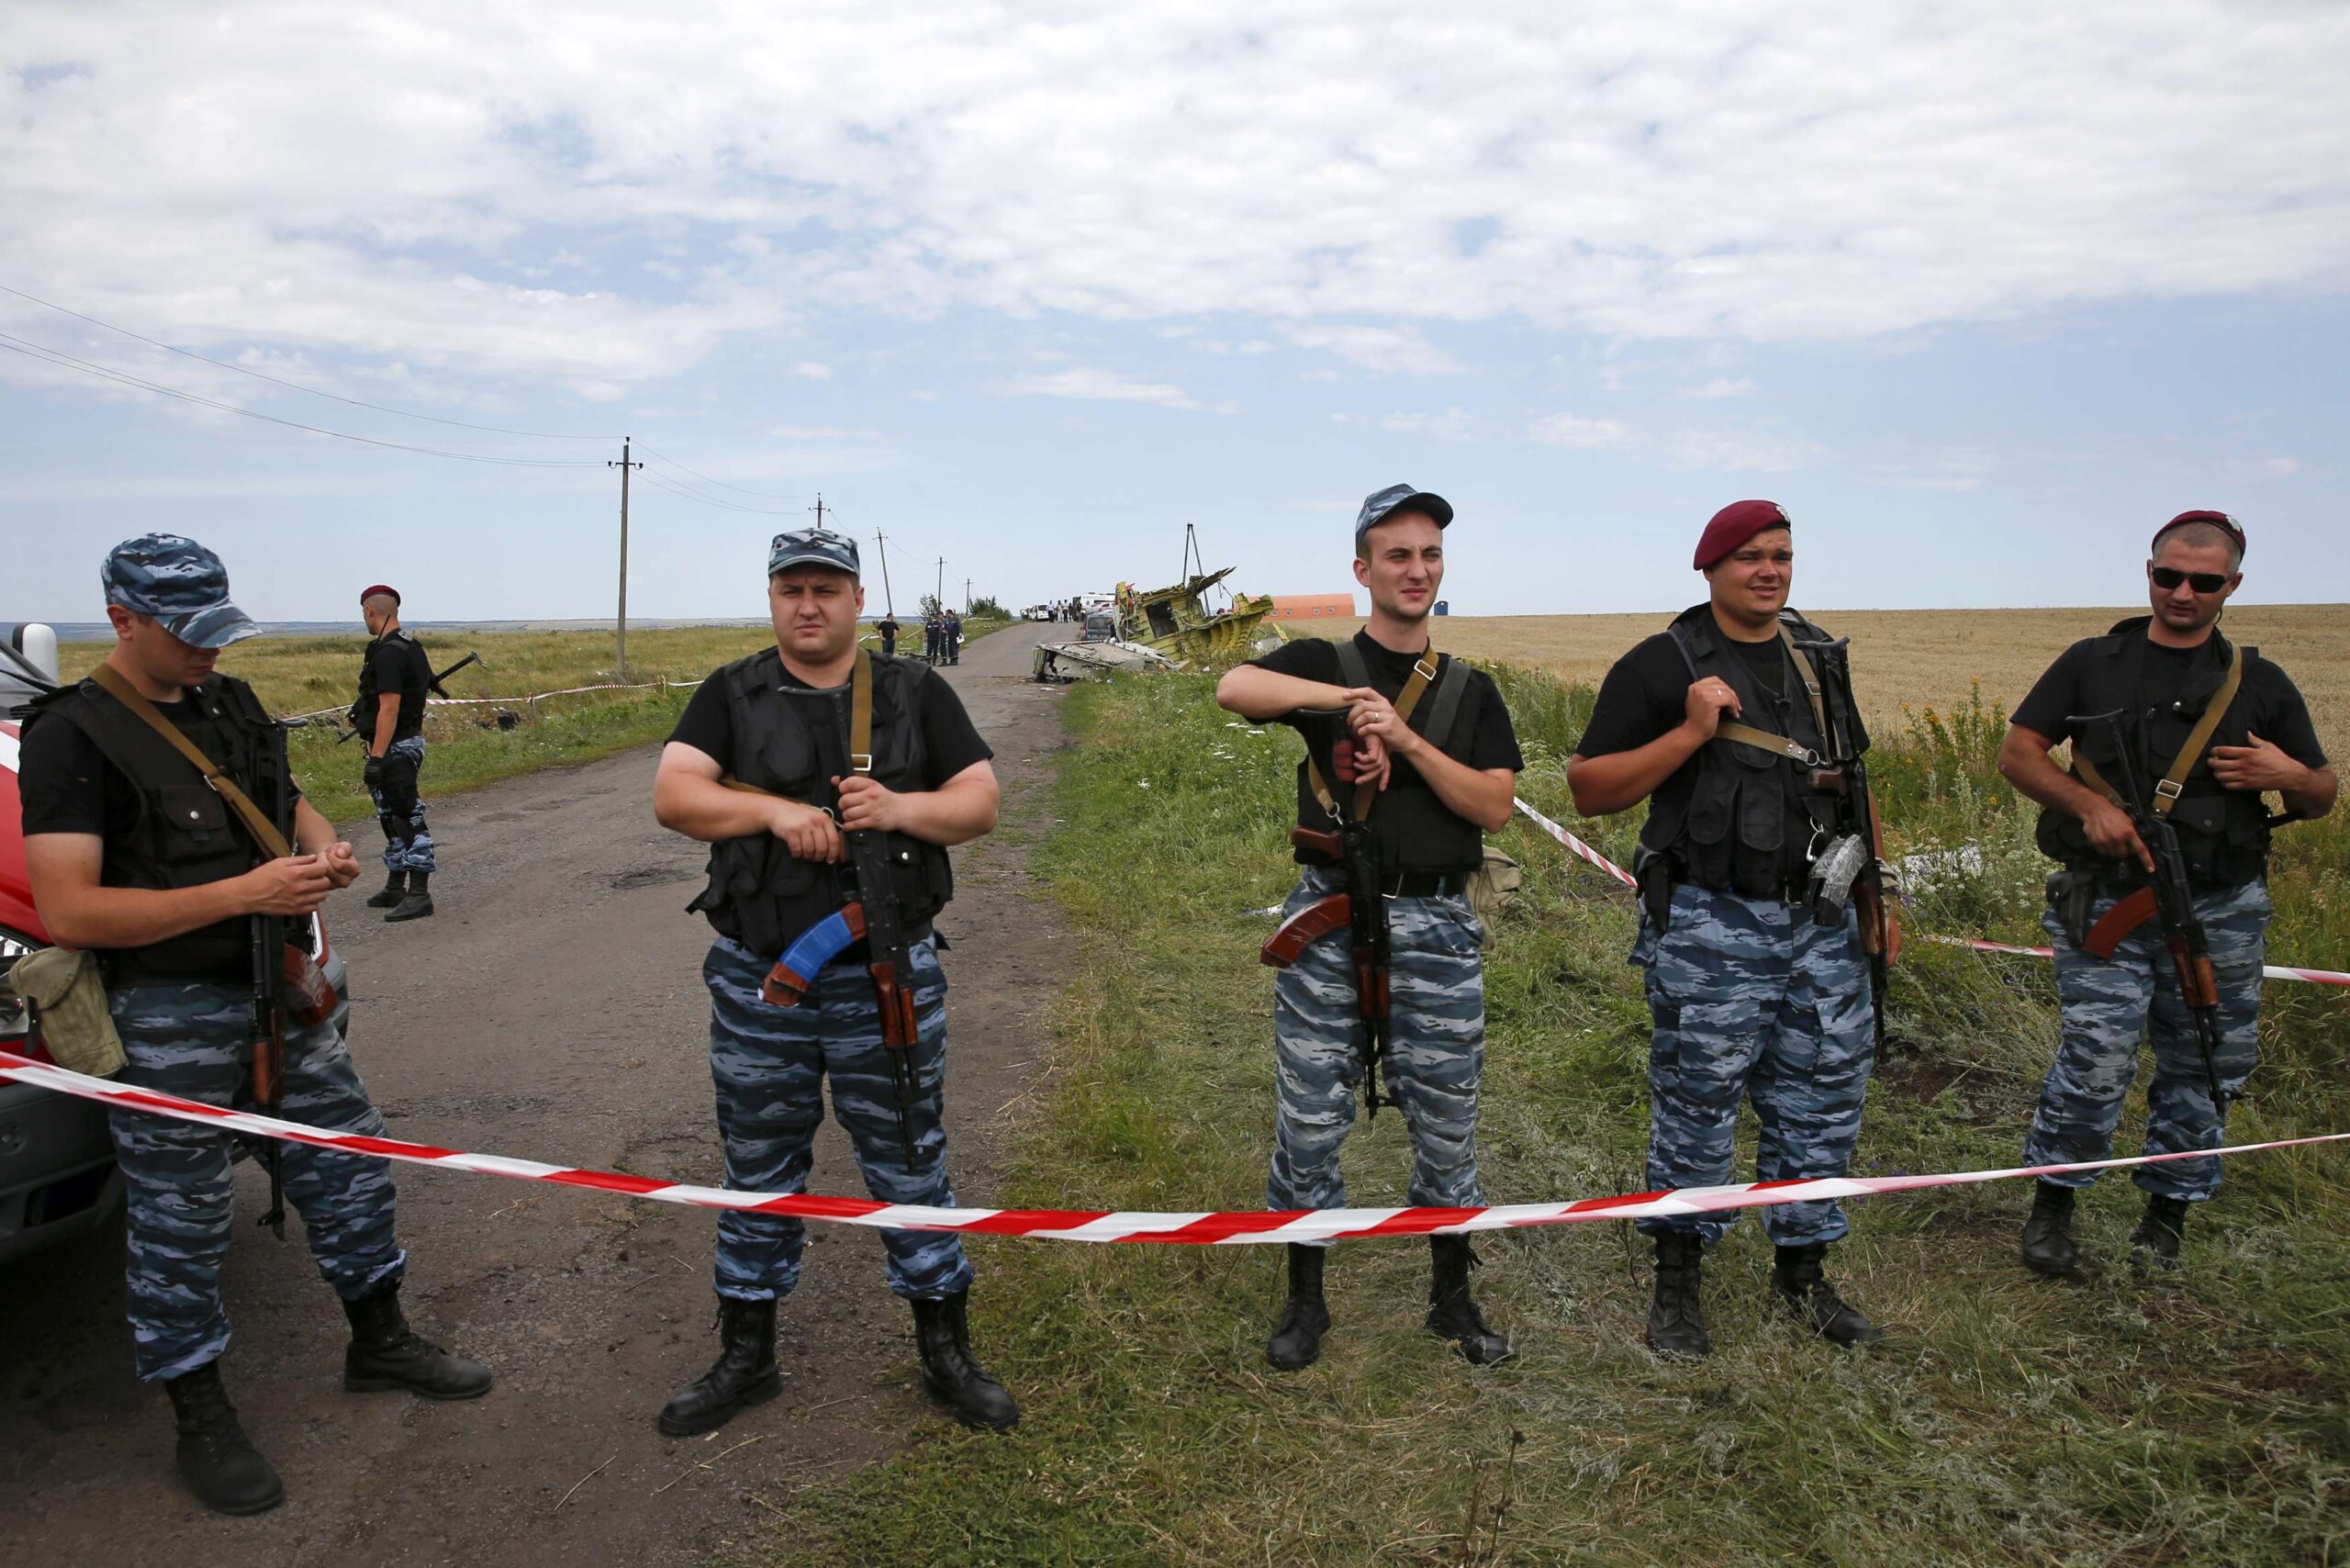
column 386, row 1354
column 1296, row 1343
column 1676, row 1322
column 744, row 1373
column 1452, row 1311
column 2048, row 1234
column 1798, row 1279
column 417, row 903
column 220, row 1462
column 395, row 889
column 949, row 1373
column 2156, row 1243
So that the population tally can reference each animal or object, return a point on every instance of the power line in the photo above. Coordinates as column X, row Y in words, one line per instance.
column 652, row 478
column 763, row 495
column 67, row 362
column 281, row 381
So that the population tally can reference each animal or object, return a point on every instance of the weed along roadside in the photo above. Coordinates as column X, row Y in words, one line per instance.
column 295, row 675
column 2007, row 1419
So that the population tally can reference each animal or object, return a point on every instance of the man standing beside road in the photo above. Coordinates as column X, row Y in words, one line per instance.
column 1747, row 991
column 888, row 627
column 933, row 631
column 954, row 637
column 389, row 717
column 134, row 853
column 1438, row 771
column 2218, row 725
column 780, row 727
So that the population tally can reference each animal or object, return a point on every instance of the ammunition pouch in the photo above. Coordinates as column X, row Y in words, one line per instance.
column 2071, row 895
column 68, row 998
column 1653, row 872
column 1491, row 887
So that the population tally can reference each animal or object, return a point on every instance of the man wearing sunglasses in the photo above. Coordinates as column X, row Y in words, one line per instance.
column 2165, row 672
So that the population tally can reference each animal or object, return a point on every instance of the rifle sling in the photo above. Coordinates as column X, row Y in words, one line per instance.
column 265, row 831
column 2174, row 783
column 1424, row 670
column 1739, row 733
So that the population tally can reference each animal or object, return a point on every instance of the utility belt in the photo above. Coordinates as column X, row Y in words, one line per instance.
column 1423, row 884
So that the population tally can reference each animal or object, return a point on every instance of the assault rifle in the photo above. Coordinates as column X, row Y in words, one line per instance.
column 1361, row 908
column 269, row 963
column 1851, row 871
column 868, row 914
column 2167, row 897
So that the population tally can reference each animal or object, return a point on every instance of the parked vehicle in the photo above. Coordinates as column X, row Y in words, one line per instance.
column 57, row 1172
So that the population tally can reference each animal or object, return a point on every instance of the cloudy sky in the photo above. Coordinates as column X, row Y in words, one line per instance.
column 1979, row 293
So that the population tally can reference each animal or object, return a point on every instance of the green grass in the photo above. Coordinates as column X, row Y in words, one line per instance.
column 2009, row 1420
column 295, row 675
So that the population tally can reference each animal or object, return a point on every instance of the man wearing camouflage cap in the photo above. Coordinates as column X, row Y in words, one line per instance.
column 768, row 767
column 2220, row 725
column 1750, row 993
column 1426, row 753
column 135, row 854
column 389, row 716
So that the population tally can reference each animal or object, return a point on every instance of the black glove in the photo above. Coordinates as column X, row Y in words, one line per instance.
column 373, row 774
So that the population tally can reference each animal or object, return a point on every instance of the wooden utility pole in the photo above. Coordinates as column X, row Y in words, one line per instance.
column 967, row 596
column 942, row 585
column 819, row 509
column 881, row 548
column 624, row 466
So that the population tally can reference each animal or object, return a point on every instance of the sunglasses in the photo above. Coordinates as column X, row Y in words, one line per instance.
column 2168, row 578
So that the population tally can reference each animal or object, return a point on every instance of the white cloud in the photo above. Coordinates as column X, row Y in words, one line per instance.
column 809, row 369
column 1741, row 451
column 1634, row 169
column 1573, row 430
column 1724, row 386
column 1450, row 425
column 823, row 432
column 1100, row 385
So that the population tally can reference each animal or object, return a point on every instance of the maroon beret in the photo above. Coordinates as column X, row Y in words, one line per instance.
column 2218, row 519
column 1734, row 525
column 367, row 593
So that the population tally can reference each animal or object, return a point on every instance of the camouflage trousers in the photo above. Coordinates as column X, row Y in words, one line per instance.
column 1436, row 1052
column 2107, row 1004
column 195, row 1041
column 1750, row 998
column 407, row 843
column 769, row 1064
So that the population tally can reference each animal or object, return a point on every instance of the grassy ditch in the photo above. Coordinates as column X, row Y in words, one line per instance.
column 2009, row 1420
column 295, row 675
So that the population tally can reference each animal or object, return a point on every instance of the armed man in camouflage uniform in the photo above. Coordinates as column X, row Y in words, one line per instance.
column 2166, row 673
column 133, row 856
column 389, row 717
column 1748, row 995
column 1447, row 772
column 772, row 726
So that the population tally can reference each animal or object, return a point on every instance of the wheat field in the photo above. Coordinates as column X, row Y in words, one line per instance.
column 1932, row 658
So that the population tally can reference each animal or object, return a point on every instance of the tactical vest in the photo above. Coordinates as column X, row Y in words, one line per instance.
column 362, row 711
column 794, row 742
column 184, row 837
column 1722, row 820
column 2223, row 833
column 1416, row 830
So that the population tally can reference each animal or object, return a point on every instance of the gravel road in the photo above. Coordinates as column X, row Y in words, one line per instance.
column 553, row 1010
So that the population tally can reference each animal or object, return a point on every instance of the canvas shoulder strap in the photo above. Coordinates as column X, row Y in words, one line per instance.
column 2174, row 783
column 265, row 831
column 1739, row 733
column 1358, row 673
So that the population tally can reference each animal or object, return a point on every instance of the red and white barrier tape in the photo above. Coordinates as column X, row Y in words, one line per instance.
column 523, row 701
column 1242, row 1227
column 2273, row 971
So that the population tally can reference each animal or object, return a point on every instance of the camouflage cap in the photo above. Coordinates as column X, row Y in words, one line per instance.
column 1378, row 507
column 181, row 584
column 814, row 547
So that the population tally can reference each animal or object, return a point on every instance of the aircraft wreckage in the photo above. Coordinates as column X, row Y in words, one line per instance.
column 1168, row 628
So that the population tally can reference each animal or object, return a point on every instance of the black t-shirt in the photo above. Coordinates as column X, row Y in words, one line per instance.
column 1482, row 736
column 949, row 742
column 1646, row 694
column 400, row 668
column 2275, row 706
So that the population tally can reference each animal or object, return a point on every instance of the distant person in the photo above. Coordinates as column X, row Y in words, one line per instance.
column 1431, row 794
column 933, row 631
column 389, row 716
column 136, row 855
column 1749, row 994
column 888, row 630
column 954, row 631
column 2223, row 724
column 783, row 723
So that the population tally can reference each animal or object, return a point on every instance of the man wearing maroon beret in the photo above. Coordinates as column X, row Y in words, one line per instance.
column 2218, row 725
column 389, row 717
column 1734, row 724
